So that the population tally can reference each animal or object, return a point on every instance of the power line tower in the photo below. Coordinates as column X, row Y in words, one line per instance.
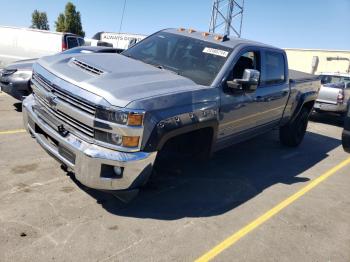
column 227, row 15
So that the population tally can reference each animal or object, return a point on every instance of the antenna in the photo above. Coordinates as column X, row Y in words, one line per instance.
column 227, row 15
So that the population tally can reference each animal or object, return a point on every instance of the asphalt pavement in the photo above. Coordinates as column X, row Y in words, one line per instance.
column 46, row 215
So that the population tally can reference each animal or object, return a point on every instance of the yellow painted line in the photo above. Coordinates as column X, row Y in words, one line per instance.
column 231, row 240
column 8, row 132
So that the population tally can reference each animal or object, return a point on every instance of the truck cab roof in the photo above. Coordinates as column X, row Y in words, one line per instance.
column 230, row 41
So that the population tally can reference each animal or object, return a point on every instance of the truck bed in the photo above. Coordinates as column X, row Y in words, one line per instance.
column 298, row 76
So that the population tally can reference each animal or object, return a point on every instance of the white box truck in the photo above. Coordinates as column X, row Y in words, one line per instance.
column 120, row 41
column 25, row 43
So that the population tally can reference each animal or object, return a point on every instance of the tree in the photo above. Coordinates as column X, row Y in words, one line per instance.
column 60, row 23
column 39, row 20
column 70, row 21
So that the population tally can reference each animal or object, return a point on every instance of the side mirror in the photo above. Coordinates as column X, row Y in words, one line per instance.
column 249, row 82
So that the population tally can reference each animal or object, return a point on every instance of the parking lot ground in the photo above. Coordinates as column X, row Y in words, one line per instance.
column 47, row 215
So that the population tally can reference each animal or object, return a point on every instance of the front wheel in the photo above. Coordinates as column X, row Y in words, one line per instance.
column 292, row 134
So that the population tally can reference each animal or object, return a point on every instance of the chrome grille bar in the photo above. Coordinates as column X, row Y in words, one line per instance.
column 78, row 126
column 82, row 105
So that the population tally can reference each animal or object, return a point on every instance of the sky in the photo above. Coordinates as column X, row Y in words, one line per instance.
column 314, row 24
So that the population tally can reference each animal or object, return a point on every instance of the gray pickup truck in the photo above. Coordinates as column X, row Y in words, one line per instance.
column 109, row 117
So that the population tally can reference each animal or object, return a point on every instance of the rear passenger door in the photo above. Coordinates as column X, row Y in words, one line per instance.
column 273, row 91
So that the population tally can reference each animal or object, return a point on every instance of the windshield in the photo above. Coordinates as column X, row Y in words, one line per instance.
column 331, row 79
column 195, row 59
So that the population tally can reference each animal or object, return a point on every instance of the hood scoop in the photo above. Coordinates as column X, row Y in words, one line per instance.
column 86, row 67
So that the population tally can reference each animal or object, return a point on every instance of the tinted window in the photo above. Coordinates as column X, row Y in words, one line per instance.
column 273, row 69
column 328, row 79
column 249, row 60
column 195, row 59
column 81, row 41
column 72, row 42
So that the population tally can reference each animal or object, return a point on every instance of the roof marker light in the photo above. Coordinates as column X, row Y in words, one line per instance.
column 218, row 37
column 205, row 34
column 181, row 29
column 191, row 31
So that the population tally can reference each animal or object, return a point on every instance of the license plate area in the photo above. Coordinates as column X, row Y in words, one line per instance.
column 63, row 151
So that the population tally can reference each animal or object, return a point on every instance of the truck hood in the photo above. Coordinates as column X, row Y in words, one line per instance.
column 117, row 78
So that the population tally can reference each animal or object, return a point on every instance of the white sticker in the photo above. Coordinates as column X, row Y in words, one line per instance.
column 214, row 51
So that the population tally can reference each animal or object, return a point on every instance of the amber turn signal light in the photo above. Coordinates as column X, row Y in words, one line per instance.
column 131, row 141
column 135, row 119
column 218, row 38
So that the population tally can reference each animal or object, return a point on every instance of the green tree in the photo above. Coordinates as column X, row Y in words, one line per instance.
column 39, row 20
column 60, row 23
column 70, row 21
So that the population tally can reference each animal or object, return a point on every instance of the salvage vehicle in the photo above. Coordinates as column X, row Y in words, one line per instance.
column 334, row 93
column 109, row 118
column 15, row 78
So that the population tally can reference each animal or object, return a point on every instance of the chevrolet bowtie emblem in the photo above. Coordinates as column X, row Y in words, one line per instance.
column 52, row 100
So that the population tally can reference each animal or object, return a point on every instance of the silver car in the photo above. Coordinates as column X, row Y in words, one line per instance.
column 334, row 93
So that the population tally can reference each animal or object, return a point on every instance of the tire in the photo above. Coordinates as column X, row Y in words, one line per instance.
column 292, row 134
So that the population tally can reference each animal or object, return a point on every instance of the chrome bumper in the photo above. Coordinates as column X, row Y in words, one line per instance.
column 89, row 158
column 337, row 108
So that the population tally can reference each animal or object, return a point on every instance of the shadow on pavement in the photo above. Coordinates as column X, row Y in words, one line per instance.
column 328, row 119
column 18, row 106
column 229, row 179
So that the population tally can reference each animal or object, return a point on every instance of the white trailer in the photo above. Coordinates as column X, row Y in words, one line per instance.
column 25, row 43
column 119, row 40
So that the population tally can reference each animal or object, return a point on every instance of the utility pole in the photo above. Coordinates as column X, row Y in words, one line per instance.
column 227, row 15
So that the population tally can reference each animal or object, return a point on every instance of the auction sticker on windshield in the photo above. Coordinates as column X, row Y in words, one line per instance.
column 214, row 51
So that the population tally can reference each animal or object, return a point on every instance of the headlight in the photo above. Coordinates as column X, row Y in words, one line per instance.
column 120, row 117
column 118, row 140
column 8, row 72
column 23, row 74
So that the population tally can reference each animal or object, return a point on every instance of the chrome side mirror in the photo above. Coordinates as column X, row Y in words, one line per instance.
column 249, row 81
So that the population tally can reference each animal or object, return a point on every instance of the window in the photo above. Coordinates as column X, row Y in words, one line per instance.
column 273, row 69
column 72, row 42
column 331, row 79
column 249, row 60
column 81, row 41
column 195, row 59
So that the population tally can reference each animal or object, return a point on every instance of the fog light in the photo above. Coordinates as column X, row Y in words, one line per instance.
column 108, row 171
column 118, row 170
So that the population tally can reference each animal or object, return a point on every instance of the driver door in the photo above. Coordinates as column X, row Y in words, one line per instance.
column 238, row 110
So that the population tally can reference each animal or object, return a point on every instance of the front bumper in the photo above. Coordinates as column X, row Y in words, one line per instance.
column 337, row 108
column 88, row 158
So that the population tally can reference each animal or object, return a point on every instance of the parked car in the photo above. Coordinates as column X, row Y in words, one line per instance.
column 108, row 118
column 334, row 93
column 25, row 43
column 15, row 78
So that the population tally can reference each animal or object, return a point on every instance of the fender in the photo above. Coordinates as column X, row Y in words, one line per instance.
column 302, row 100
column 181, row 124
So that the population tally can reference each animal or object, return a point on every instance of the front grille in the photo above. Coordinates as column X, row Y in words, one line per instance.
column 64, row 96
column 73, row 123
column 86, row 67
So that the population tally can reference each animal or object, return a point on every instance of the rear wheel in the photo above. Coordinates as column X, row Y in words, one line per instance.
column 293, row 133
